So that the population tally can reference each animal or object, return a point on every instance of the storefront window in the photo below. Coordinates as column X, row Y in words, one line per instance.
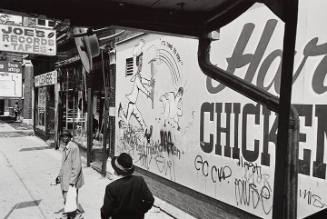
column 97, row 120
column 78, row 117
column 74, row 108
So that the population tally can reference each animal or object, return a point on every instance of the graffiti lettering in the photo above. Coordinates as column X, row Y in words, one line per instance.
column 312, row 198
column 250, row 194
column 216, row 173
column 173, row 50
column 149, row 153
column 252, row 172
column 167, row 144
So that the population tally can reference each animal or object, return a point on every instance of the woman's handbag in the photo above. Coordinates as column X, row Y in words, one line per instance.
column 71, row 203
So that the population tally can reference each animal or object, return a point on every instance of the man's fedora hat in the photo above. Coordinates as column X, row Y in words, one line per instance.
column 123, row 164
column 67, row 133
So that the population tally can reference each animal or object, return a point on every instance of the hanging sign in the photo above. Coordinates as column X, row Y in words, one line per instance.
column 45, row 79
column 27, row 40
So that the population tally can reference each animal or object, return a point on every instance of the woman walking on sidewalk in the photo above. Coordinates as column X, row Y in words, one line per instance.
column 128, row 197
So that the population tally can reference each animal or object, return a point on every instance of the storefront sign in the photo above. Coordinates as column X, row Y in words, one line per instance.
column 27, row 40
column 45, row 79
column 10, row 85
column 10, row 19
column 184, row 126
column 10, row 67
column 10, row 79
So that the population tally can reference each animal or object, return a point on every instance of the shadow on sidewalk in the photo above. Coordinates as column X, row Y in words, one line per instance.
column 19, row 125
column 20, row 205
column 36, row 148
column 15, row 129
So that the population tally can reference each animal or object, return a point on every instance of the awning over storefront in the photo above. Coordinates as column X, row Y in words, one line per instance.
column 186, row 17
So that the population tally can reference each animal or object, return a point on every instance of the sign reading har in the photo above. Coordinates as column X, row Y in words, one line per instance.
column 27, row 40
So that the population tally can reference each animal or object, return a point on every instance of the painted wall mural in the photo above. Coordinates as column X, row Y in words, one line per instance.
column 151, row 108
column 188, row 128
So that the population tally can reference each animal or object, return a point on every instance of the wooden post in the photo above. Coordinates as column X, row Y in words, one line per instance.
column 89, row 125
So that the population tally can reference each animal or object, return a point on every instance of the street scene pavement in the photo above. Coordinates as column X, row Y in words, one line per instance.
column 28, row 168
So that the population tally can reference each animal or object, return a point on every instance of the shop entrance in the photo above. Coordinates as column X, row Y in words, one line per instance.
column 2, row 107
column 45, row 112
column 50, row 120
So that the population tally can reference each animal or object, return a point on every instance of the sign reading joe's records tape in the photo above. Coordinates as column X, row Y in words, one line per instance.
column 27, row 40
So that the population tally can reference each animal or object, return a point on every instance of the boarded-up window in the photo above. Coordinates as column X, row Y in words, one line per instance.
column 129, row 66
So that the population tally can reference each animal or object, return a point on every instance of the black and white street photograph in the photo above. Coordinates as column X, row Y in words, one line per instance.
column 163, row 109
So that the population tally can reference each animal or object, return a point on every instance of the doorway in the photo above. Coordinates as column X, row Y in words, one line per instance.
column 2, row 106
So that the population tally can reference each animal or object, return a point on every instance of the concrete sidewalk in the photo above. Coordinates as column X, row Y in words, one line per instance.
column 14, row 129
column 5, row 127
column 29, row 166
column 17, row 138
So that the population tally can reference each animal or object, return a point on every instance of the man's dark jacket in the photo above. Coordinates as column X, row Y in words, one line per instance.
column 127, row 198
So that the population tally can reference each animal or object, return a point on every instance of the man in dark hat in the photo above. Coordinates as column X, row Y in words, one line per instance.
column 70, row 174
column 128, row 197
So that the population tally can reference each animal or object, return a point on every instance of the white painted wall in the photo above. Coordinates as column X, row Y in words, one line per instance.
column 184, row 146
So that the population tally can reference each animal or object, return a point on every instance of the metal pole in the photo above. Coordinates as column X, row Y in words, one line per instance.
column 67, row 88
column 74, row 102
column 112, row 76
column 89, row 125
column 105, row 75
column 284, row 179
column 292, row 164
